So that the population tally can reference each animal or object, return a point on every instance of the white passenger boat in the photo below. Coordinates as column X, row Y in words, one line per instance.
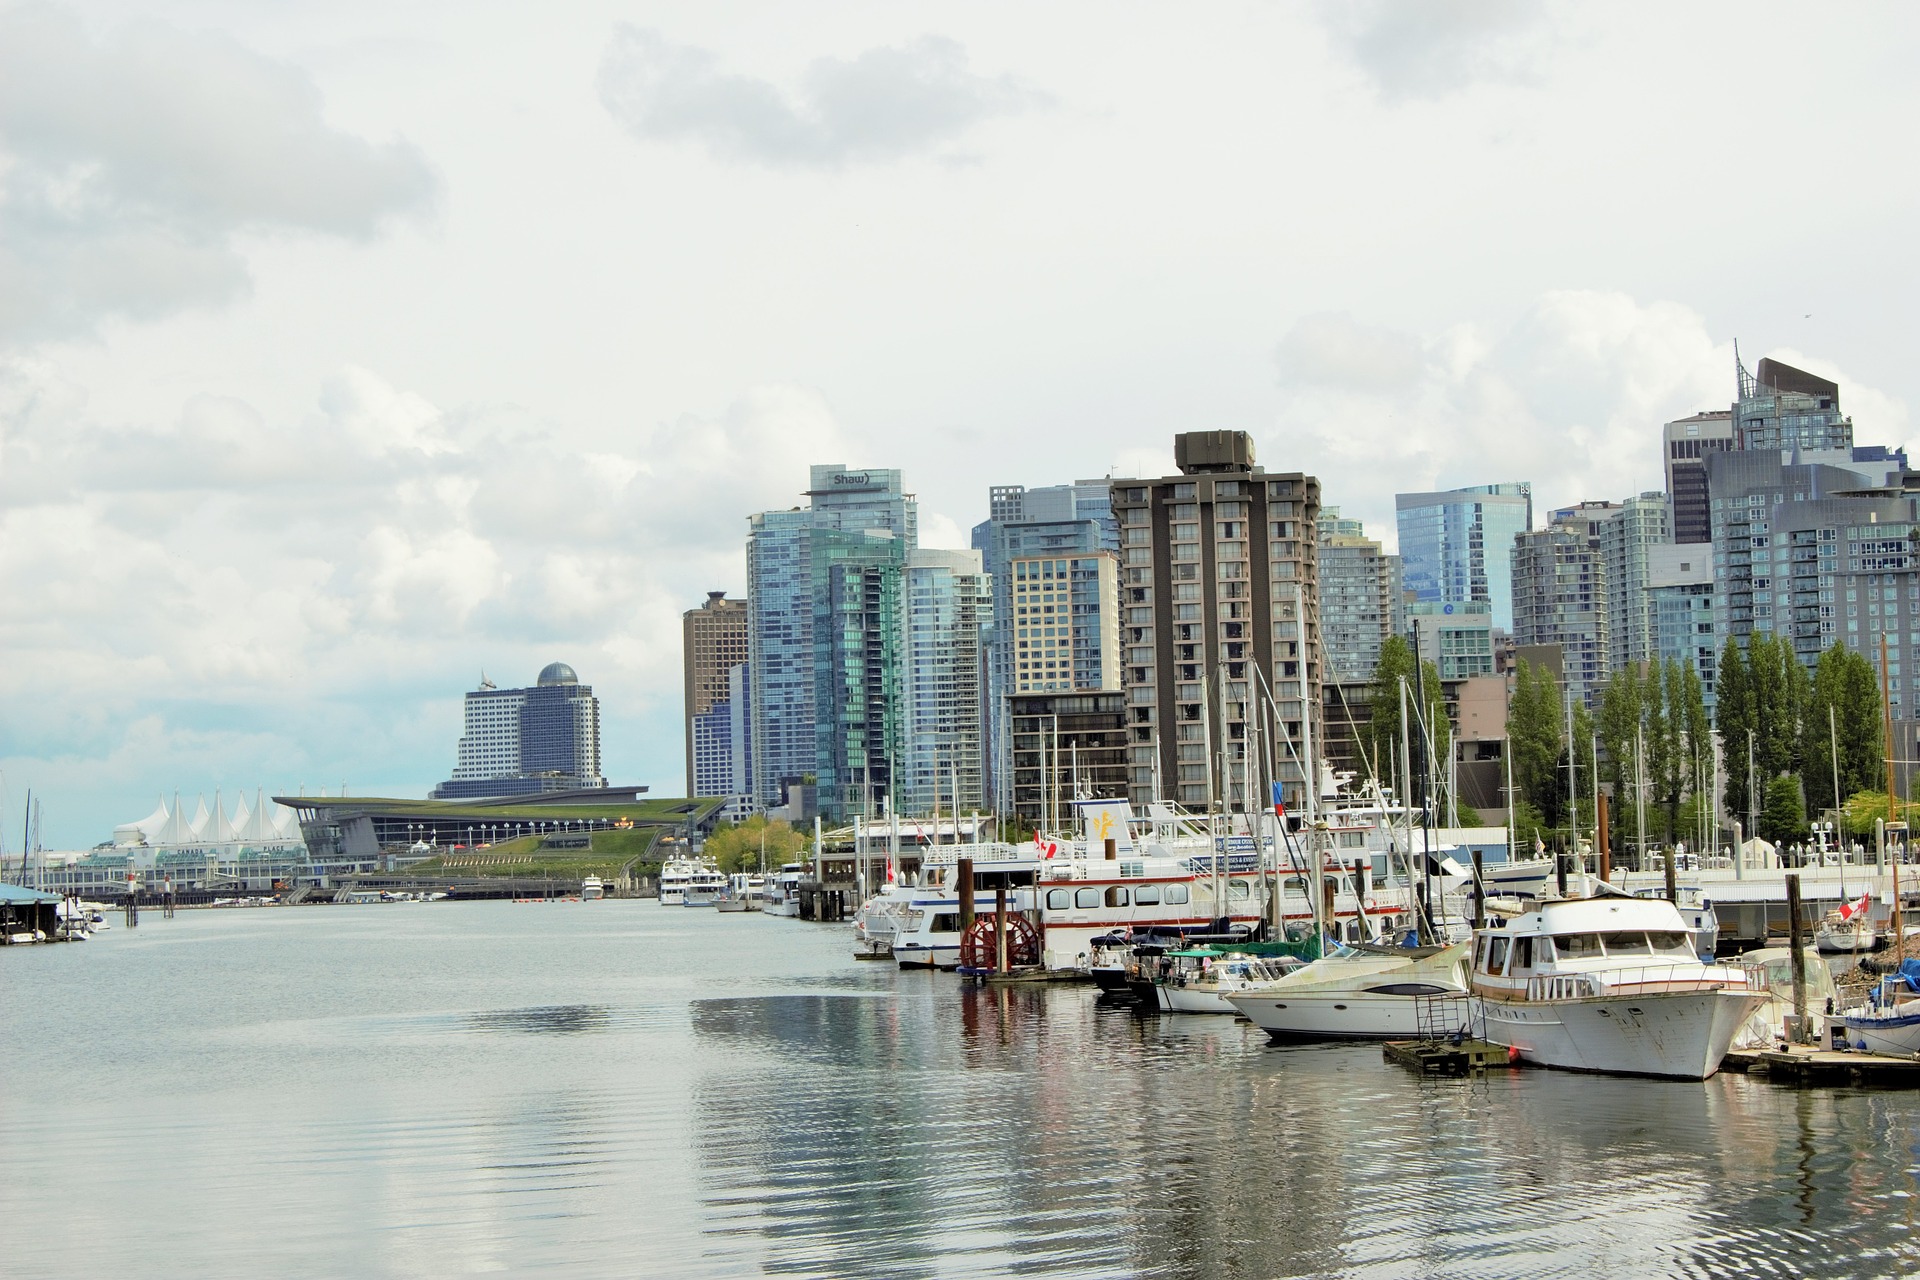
column 1368, row 994
column 591, row 889
column 1889, row 1023
column 1609, row 983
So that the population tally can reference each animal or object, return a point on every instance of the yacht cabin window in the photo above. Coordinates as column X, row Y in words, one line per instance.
column 1116, row 896
column 946, row 922
column 1176, row 893
column 1146, row 895
column 1577, row 946
column 1627, row 944
column 1497, row 956
column 1667, row 943
column 1239, row 889
column 1523, row 953
column 1086, row 899
column 1059, row 899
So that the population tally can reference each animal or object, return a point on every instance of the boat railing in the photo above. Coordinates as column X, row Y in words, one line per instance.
column 1645, row 980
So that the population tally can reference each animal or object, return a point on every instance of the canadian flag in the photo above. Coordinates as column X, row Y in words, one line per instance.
column 1047, row 848
column 1849, row 910
column 889, row 870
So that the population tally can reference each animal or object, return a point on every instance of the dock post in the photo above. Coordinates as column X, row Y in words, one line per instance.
column 963, row 871
column 1797, row 948
column 1000, row 927
column 1479, row 890
column 1673, row 886
column 1603, row 837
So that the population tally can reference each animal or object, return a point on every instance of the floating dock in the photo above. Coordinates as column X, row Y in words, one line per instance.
column 1804, row 1064
column 1447, row 1057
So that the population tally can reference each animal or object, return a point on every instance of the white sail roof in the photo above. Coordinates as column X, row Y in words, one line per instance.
column 215, row 829
column 144, row 830
column 175, row 830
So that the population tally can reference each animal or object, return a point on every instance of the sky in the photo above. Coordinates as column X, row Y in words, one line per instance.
column 350, row 351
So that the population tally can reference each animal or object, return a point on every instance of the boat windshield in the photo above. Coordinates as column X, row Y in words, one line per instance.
column 1591, row 946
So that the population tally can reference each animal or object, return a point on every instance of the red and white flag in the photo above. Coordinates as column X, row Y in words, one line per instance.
column 1047, row 848
column 1849, row 910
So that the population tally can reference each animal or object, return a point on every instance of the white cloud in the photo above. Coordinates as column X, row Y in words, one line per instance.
column 885, row 104
column 1431, row 48
column 129, row 164
column 350, row 569
column 1571, row 397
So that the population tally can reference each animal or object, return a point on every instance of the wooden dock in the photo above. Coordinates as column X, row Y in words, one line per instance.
column 1446, row 1057
column 1804, row 1064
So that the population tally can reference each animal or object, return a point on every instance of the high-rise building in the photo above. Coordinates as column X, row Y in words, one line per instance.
column 1810, row 551
column 858, row 734
column 1222, row 612
column 801, row 571
column 1359, row 597
column 723, row 750
column 1064, row 622
column 1069, row 520
column 1065, row 746
column 945, row 605
column 1679, row 605
column 1560, row 598
column 527, row 741
column 1628, row 537
column 1455, row 545
column 1784, row 408
column 713, row 641
column 1456, row 638
column 1688, row 441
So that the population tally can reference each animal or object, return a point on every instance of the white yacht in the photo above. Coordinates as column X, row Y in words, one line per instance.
column 1356, row 994
column 1609, row 983
column 1209, row 984
column 592, row 889
column 780, row 896
column 690, row 882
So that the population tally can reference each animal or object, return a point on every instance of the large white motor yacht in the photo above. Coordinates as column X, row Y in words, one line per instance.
column 1356, row 994
column 1609, row 983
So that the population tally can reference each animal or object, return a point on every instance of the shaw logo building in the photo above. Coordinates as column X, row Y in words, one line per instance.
column 528, row 741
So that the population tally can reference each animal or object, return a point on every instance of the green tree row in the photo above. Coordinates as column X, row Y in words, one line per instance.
column 1549, row 802
column 1658, row 743
column 1791, row 725
column 737, row 847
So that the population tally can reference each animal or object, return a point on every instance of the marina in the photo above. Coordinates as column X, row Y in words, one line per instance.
column 796, row 1114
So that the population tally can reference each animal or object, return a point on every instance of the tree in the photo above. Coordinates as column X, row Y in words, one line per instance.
column 1733, row 717
column 1383, row 721
column 1784, row 820
column 1533, row 736
column 737, row 847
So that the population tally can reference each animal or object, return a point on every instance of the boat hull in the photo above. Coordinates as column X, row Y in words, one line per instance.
column 1332, row 1016
column 1675, row 1035
column 1177, row 999
column 1893, row 1037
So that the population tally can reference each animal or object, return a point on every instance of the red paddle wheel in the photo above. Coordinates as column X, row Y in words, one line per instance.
column 979, row 951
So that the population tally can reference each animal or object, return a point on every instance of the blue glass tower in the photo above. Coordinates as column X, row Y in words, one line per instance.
column 1456, row 545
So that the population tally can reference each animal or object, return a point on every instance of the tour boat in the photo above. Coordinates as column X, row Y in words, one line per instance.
column 1370, row 993
column 591, row 889
column 1608, row 983
column 1889, row 1022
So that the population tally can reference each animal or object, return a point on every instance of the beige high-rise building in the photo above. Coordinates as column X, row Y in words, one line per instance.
column 713, row 643
column 1220, row 612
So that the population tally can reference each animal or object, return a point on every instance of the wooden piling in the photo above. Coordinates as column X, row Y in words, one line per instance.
column 1000, row 927
column 964, row 873
column 1797, row 948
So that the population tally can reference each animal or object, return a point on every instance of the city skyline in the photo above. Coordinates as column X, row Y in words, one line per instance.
column 343, row 424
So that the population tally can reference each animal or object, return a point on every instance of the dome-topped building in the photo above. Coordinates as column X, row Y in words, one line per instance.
column 528, row 741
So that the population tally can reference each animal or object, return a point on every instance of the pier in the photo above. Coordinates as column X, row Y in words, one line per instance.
column 1806, row 1065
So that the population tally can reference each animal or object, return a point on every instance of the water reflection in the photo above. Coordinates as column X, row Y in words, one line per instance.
column 551, row 1020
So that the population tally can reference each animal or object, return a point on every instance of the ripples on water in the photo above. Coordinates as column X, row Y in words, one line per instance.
column 620, row 1088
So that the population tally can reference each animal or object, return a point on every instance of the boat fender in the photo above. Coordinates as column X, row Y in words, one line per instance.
column 1513, row 1053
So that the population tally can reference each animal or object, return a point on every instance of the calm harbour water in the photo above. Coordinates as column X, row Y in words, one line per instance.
column 619, row 1088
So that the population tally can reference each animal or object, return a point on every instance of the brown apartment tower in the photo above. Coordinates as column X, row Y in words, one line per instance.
column 1218, row 590
column 713, row 642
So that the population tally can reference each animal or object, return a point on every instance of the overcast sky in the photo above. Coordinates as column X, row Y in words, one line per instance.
column 349, row 350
